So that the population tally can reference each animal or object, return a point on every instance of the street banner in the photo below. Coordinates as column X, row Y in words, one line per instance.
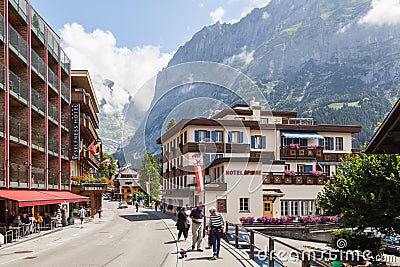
column 199, row 171
column 148, row 187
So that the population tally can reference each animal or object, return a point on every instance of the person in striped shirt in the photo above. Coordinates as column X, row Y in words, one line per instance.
column 216, row 225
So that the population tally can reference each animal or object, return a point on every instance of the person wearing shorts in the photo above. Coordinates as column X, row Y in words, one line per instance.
column 82, row 214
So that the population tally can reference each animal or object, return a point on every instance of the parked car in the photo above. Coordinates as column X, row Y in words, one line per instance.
column 244, row 238
column 122, row 205
column 392, row 244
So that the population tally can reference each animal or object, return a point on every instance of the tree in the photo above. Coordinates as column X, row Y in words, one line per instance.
column 148, row 172
column 108, row 170
column 366, row 192
column 171, row 123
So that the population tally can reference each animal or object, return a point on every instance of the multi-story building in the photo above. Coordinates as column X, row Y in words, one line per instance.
column 126, row 183
column 34, row 107
column 84, row 125
column 257, row 162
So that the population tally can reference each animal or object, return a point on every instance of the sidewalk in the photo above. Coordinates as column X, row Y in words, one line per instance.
column 229, row 255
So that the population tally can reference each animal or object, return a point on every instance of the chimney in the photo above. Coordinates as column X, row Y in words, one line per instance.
column 255, row 106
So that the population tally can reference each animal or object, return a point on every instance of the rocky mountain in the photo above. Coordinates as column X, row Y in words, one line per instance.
column 319, row 57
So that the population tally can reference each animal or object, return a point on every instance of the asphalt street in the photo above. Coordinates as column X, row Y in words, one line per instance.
column 122, row 238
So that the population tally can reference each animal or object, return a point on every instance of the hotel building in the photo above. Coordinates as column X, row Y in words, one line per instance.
column 257, row 162
column 34, row 111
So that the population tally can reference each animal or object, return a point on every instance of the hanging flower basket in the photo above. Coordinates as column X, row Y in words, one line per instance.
column 296, row 146
column 289, row 173
column 316, row 173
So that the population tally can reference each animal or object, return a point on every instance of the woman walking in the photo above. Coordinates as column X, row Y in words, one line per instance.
column 182, row 224
column 216, row 226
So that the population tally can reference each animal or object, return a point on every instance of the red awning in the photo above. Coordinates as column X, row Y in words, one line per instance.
column 27, row 198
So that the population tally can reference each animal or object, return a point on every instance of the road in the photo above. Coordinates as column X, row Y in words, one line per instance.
column 122, row 238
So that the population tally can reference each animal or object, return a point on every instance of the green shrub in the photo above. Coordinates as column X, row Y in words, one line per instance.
column 356, row 241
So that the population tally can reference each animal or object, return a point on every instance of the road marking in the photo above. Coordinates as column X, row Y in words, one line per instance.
column 113, row 259
column 110, row 236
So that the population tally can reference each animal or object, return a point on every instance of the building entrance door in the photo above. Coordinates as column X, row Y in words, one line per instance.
column 267, row 208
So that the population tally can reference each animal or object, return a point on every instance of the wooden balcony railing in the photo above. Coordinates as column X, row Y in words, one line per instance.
column 302, row 152
column 298, row 179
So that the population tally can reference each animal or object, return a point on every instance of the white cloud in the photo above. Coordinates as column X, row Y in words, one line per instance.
column 97, row 51
column 242, row 59
column 265, row 15
column 217, row 14
column 383, row 12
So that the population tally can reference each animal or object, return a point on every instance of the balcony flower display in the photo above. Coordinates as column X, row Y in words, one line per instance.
column 283, row 220
column 319, row 219
column 248, row 220
column 289, row 173
column 316, row 173
column 315, row 147
column 297, row 146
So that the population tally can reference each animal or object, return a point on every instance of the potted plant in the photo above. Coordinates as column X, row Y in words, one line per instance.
column 316, row 173
column 289, row 173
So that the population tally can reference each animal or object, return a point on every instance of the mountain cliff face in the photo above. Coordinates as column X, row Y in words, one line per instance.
column 313, row 56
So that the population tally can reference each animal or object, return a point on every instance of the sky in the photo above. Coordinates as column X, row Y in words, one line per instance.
column 130, row 41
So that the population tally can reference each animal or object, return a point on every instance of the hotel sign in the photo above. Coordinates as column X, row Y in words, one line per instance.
column 242, row 172
column 75, row 131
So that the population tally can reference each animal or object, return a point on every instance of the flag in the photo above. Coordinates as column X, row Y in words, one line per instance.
column 92, row 148
column 81, row 146
column 199, row 171
column 148, row 187
column 106, row 162
column 98, row 149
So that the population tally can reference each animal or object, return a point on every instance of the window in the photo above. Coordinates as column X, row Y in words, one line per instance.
column 299, row 141
column 221, row 205
column 339, row 143
column 284, row 208
column 301, row 168
column 219, row 137
column 202, row 136
column 264, row 121
column 217, row 156
column 258, row 142
column 329, row 143
column 287, row 167
column 326, row 169
column 267, row 206
column 235, row 137
column 294, row 208
column 243, row 204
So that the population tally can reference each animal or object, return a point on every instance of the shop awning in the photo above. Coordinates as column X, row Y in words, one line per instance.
column 304, row 135
column 26, row 198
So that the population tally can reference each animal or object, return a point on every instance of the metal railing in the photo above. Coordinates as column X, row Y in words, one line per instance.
column 2, row 26
column 38, row 25
column 53, row 179
column 17, row 42
column 38, row 178
column 2, row 174
column 65, row 92
column 38, row 101
column 2, row 77
column 53, row 44
column 22, row 8
column 18, row 86
column 65, row 62
column 38, row 65
column 38, row 139
column 18, row 175
column 53, row 112
column 18, row 129
column 304, row 256
column 53, row 80
column 65, row 180
column 53, row 145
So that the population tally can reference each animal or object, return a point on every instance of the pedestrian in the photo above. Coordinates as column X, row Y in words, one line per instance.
column 162, row 206
column 136, row 205
column 82, row 214
column 152, row 204
column 182, row 224
column 216, row 225
column 155, row 205
column 100, row 210
column 38, row 221
column 188, row 211
column 197, row 216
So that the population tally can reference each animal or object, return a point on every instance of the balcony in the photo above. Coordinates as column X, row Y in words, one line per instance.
column 53, row 179
column 38, row 178
column 21, row 6
column 18, row 88
column 53, row 44
column 280, row 178
column 2, row 175
column 18, row 44
column 87, row 125
column 38, row 65
column 64, row 151
column 301, row 153
column 38, row 102
column 65, row 181
column 53, row 81
column 38, row 26
column 333, row 157
column 38, row 140
column 53, row 146
column 65, row 122
column 18, row 131
column 2, row 77
column 18, row 175
column 65, row 62
column 86, row 104
column 65, row 92
column 1, row 27
column 53, row 113
column 193, row 147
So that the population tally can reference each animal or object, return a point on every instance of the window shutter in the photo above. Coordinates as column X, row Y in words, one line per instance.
column 196, row 136
column 213, row 156
column 208, row 158
column 309, row 168
column 321, row 142
column 208, row 136
column 253, row 141
column 229, row 137
column 213, row 136
column 241, row 137
column 332, row 143
column 264, row 142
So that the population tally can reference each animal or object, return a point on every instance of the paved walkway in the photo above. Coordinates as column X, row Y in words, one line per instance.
column 229, row 256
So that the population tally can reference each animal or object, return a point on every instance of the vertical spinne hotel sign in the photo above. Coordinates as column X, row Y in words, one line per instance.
column 75, row 131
